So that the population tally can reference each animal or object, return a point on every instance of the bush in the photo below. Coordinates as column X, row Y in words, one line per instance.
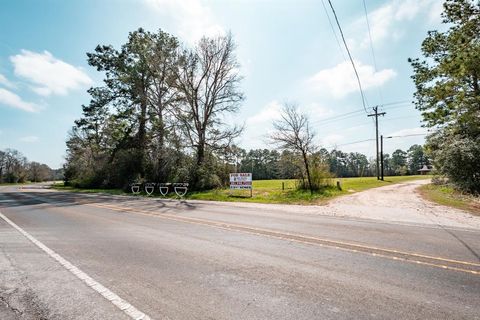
column 205, row 177
column 439, row 180
column 320, row 177
column 458, row 159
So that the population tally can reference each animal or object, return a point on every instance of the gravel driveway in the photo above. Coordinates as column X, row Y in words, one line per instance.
column 400, row 202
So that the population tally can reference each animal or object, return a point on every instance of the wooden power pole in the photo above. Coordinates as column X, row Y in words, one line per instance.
column 381, row 157
column 376, row 115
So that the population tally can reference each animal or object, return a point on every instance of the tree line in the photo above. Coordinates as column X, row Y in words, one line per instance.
column 268, row 164
column 15, row 168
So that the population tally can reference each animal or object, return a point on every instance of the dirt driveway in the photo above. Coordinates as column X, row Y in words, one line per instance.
column 400, row 202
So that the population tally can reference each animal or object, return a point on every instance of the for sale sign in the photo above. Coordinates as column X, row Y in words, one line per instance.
column 240, row 181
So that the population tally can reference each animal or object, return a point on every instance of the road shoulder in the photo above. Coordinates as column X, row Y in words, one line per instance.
column 449, row 197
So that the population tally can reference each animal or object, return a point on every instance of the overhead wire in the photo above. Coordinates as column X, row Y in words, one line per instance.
column 338, row 117
column 363, row 124
column 410, row 135
column 357, row 112
column 396, row 102
column 349, row 143
column 333, row 31
column 375, row 66
column 372, row 139
column 350, row 57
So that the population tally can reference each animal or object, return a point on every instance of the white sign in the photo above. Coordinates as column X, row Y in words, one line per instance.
column 240, row 181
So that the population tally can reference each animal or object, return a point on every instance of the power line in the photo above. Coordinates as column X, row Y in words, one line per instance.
column 409, row 135
column 363, row 124
column 370, row 36
column 397, row 118
column 349, row 143
column 349, row 55
column 333, row 30
column 356, row 113
column 398, row 106
column 396, row 102
column 371, row 47
column 373, row 139
column 338, row 117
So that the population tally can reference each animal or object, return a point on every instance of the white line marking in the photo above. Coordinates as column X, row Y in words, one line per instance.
column 121, row 304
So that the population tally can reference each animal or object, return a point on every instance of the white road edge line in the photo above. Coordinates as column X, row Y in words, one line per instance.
column 121, row 304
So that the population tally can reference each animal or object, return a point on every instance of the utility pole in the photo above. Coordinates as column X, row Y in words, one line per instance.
column 381, row 151
column 381, row 154
column 376, row 114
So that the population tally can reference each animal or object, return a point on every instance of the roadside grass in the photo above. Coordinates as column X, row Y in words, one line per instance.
column 272, row 191
column 446, row 195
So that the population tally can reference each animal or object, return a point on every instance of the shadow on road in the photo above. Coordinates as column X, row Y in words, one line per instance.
column 32, row 196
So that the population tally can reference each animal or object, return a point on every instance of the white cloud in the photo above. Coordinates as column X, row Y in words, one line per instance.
column 435, row 12
column 48, row 74
column 316, row 112
column 331, row 140
column 29, row 139
column 269, row 113
column 387, row 21
column 11, row 99
column 409, row 131
column 193, row 19
column 4, row 81
column 340, row 80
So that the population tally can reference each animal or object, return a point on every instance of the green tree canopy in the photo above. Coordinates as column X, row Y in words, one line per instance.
column 447, row 84
column 448, row 78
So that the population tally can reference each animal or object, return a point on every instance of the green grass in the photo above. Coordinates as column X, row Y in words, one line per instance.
column 270, row 191
column 446, row 195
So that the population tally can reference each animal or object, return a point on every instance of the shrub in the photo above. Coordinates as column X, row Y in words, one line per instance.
column 320, row 177
column 439, row 180
column 458, row 159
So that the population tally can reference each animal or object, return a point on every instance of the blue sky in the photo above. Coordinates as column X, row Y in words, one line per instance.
column 287, row 51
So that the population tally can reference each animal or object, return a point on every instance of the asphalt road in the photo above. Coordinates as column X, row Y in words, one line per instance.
column 194, row 260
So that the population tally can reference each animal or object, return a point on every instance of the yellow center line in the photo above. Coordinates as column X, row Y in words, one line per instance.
column 299, row 238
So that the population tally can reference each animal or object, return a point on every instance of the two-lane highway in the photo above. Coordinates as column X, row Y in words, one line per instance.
column 194, row 260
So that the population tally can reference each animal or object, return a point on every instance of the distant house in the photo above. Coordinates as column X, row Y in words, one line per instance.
column 424, row 170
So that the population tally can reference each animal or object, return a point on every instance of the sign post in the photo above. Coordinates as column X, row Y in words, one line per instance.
column 241, row 181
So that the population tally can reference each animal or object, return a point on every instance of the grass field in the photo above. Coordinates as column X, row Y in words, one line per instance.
column 270, row 191
column 448, row 196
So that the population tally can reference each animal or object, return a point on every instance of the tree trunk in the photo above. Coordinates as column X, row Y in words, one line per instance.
column 161, row 172
column 307, row 168
column 201, row 149
column 142, row 138
column 199, row 163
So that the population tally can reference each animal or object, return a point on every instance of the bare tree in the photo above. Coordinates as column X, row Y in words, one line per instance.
column 208, row 80
column 39, row 172
column 293, row 133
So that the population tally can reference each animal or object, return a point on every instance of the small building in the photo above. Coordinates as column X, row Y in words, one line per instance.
column 424, row 170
